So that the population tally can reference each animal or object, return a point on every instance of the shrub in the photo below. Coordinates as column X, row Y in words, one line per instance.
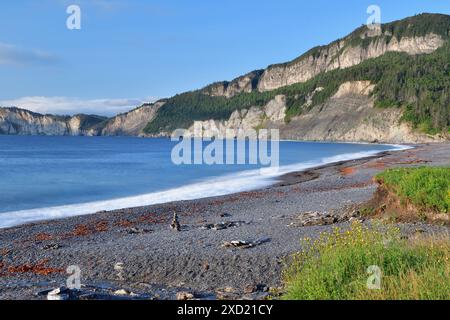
column 335, row 266
column 427, row 188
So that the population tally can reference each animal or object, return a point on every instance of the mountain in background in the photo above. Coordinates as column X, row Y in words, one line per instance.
column 16, row 121
column 389, row 83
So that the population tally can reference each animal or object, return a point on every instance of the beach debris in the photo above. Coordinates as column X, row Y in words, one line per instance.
column 184, row 295
column 137, row 231
column 119, row 267
column 5, row 252
column 125, row 223
column 238, row 244
column 44, row 292
column 91, row 292
column 59, row 294
column 316, row 218
column 43, row 237
column 256, row 288
column 225, row 215
column 205, row 265
column 241, row 244
column 250, row 289
column 255, row 296
column 227, row 293
column 92, row 296
column 122, row 292
column 223, row 225
column 348, row 171
column 40, row 268
column 52, row 246
column 175, row 225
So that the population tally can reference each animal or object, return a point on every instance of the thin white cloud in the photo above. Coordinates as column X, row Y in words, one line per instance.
column 71, row 106
column 14, row 55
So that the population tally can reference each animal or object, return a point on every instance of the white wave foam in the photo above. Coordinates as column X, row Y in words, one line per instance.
column 233, row 183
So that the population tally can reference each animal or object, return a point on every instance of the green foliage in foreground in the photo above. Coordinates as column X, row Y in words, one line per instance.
column 335, row 266
column 428, row 188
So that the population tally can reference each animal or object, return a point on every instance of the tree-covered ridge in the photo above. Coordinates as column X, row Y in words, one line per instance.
column 182, row 110
column 416, row 26
column 419, row 25
column 420, row 84
column 254, row 76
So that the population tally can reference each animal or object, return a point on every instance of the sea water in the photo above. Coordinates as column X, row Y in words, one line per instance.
column 54, row 177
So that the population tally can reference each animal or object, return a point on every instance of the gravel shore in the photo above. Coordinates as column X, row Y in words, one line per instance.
column 135, row 249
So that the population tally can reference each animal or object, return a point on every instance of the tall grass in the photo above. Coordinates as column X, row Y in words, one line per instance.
column 335, row 266
column 427, row 188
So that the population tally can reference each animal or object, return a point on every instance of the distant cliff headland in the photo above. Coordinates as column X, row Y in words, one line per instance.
column 385, row 84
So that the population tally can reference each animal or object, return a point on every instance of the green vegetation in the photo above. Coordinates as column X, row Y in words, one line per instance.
column 419, row 84
column 427, row 188
column 87, row 121
column 416, row 26
column 181, row 110
column 335, row 266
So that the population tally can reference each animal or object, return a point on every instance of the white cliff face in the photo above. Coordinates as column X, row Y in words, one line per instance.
column 16, row 121
column 241, row 120
column 348, row 116
column 275, row 110
column 362, row 88
column 131, row 123
column 339, row 56
column 74, row 126
column 22, row 122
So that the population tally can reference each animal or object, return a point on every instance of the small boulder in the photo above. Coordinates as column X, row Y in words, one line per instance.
column 184, row 295
column 59, row 294
column 121, row 292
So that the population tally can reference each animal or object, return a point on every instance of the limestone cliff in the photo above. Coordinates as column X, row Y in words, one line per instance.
column 17, row 121
column 412, row 36
column 348, row 116
column 341, row 55
column 322, row 95
column 240, row 120
column 131, row 123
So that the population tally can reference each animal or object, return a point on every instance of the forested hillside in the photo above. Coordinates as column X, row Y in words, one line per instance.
column 419, row 84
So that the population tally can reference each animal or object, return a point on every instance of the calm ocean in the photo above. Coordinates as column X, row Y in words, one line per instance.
column 55, row 177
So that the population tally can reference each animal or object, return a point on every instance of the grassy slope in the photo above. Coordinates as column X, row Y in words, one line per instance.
column 335, row 267
column 426, row 188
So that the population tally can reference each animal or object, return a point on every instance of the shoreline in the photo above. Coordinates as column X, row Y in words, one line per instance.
column 272, row 180
column 158, row 262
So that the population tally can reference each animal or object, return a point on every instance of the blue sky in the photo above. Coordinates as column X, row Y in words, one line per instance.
column 137, row 50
